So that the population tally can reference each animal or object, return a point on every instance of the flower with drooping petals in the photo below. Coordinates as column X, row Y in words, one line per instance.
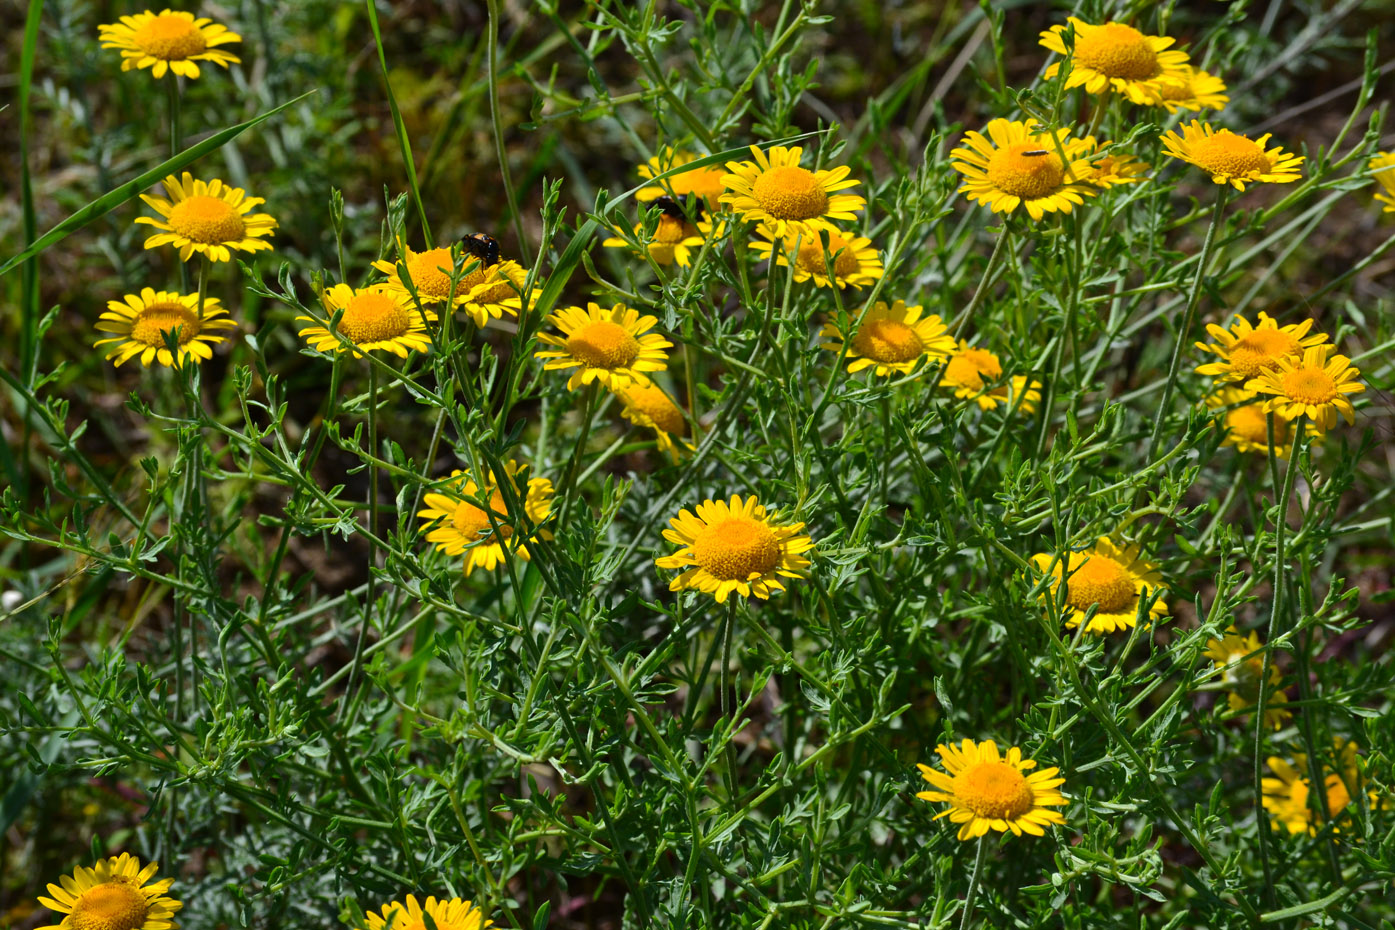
column 986, row 791
column 170, row 40
column 1243, row 663
column 1230, row 158
column 854, row 260
column 649, row 405
column 1014, row 165
column 1201, row 91
column 776, row 191
column 611, row 346
column 1114, row 167
column 1117, row 57
column 1315, row 386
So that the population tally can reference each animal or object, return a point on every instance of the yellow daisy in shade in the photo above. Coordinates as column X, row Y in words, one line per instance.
column 1242, row 659
column 483, row 292
column 456, row 525
column 1016, row 166
column 776, row 191
column 444, row 914
column 115, row 894
column 207, row 217
column 974, row 373
column 611, row 346
column 649, row 405
column 674, row 239
column 1246, row 351
column 1286, row 793
column 1315, row 386
column 735, row 547
column 375, row 317
column 855, row 262
column 1200, row 91
column 1383, row 170
column 170, row 40
column 1109, row 579
column 891, row 339
column 1232, row 159
column 987, row 791
column 1113, row 168
column 1246, row 424
column 704, row 183
column 142, row 321
column 1119, row 58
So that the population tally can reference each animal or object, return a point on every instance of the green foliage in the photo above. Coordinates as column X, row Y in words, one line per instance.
column 228, row 647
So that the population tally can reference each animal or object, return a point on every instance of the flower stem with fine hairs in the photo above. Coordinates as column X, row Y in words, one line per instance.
column 176, row 143
column 1187, row 318
column 372, row 540
column 593, row 391
column 973, row 882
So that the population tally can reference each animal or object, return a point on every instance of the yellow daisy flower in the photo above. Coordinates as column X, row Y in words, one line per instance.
column 209, row 218
column 974, row 373
column 1114, row 168
column 1108, row 578
column 1230, row 158
column 458, row 526
column 1117, row 57
column 141, row 322
column 1383, row 166
column 375, row 317
column 1247, row 351
column 648, row 405
column 1016, row 166
column 704, row 183
column 482, row 291
column 1246, row 425
column 114, row 894
column 776, row 191
column 855, row 261
column 610, row 346
column 1316, row 386
column 674, row 238
column 1243, row 663
column 445, row 914
column 734, row 547
column 1285, row 796
column 170, row 40
column 893, row 339
column 986, row 791
column 1198, row 91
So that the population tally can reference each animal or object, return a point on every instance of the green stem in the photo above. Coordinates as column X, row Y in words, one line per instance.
column 973, row 882
column 372, row 540
column 724, row 694
column 592, row 393
column 492, row 60
column 176, row 143
column 1187, row 318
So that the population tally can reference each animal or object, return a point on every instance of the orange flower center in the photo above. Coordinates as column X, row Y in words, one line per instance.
column 603, row 344
column 207, row 220
column 1029, row 170
column 374, row 317
column 172, row 38
column 653, row 403
column 1259, row 350
column 971, row 367
column 888, row 341
column 1249, row 423
column 994, row 790
column 151, row 324
column 737, row 549
column 790, row 193
column 1230, row 155
column 113, row 905
column 812, row 256
column 1100, row 582
column 1309, row 386
column 1117, row 51
column 473, row 523
column 431, row 273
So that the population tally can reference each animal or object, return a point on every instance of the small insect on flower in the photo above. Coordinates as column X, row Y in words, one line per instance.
column 986, row 791
column 482, row 246
column 1230, row 158
column 143, row 322
column 735, row 548
column 486, row 288
column 1014, row 165
column 1106, row 584
column 114, row 894
column 206, row 217
column 443, row 914
column 170, row 40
